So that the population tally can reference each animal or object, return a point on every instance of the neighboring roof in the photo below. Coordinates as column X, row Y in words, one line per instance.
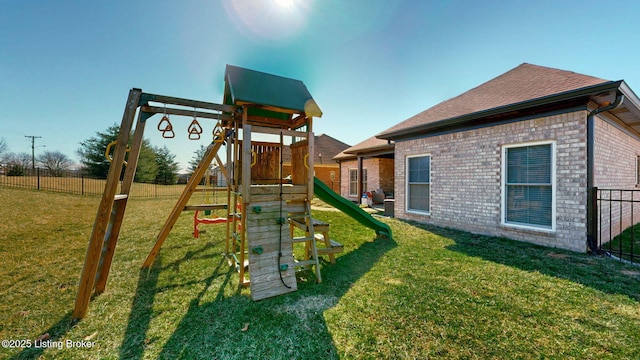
column 245, row 86
column 371, row 147
column 325, row 148
column 521, row 85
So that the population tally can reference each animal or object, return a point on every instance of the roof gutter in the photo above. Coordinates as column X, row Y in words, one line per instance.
column 445, row 123
column 592, row 225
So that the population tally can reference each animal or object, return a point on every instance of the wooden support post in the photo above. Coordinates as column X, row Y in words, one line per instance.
column 243, row 243
column 120, row 206
column 231, row 207
column 310, row 165
column 199, row 172
column 103, row 215
column 247, row 160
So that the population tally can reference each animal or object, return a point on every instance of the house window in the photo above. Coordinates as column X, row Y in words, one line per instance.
column 353, row 181
column 637, row 169
column 528, row 185
column 419, row 183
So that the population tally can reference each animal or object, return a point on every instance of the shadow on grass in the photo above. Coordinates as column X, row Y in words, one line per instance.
column 141, row 311
column 135, row 338
column 230, row 325
column 597, row 272
column 56, row 332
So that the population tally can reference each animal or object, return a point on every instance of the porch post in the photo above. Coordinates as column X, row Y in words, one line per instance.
column 360, row 186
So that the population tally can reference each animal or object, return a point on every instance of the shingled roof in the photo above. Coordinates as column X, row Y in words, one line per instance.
column 325, row 148
column 368, row 146
column 520, row 85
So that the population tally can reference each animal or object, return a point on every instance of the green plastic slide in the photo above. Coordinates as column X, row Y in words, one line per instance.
column 327, row 195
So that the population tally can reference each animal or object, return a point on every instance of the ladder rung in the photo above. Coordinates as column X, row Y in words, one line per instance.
column 297, row 218
column 301, row 239
column 120, row 196
column 320, row 237
column 305, row 263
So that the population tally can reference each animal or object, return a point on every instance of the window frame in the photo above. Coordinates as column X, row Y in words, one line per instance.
column 407, row 185
column 364, row 181
column 637, row 170
column 553, row 184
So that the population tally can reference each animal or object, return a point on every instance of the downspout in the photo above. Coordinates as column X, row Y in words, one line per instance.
column 592, row 225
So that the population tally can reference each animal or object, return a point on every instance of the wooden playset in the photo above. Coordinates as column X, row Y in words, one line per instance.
column 262, row 209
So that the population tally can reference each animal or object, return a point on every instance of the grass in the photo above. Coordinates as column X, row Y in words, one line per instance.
column 625, row 244
column 428, row 293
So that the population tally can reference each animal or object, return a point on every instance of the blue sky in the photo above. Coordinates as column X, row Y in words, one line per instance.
column 66, row 67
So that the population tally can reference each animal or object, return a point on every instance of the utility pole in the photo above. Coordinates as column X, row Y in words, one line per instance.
column 33, row 149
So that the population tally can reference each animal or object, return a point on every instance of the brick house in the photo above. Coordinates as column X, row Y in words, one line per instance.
column 325, row 169
column 518, row 156
column 367, row 167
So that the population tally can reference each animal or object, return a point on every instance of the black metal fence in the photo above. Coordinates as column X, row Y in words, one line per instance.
column 75, row 182
column 618, row 216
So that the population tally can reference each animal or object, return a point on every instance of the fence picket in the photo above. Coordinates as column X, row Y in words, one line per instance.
column 75, row 182
column 617, row 209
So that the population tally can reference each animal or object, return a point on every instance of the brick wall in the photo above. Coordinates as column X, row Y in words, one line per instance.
column 379, row 175
column 615, row 168
column 385, row 175
column 327, row 173
column 466, row 178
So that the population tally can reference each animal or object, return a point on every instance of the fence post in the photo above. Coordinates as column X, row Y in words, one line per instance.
column 82, row 183
column 592, row 230
column 38, row 176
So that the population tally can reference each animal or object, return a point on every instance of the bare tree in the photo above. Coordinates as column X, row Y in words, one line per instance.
column 56, row 162
column 3, row 146
column 16, row 164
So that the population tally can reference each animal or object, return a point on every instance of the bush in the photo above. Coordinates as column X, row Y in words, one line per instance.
column 15, row 170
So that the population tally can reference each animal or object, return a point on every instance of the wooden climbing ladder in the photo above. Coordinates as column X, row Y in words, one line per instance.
column 304, row 221
column 110, row 214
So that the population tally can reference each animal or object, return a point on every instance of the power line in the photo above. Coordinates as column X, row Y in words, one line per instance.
column 33, row 149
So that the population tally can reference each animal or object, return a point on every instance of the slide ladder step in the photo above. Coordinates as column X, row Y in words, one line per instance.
column 301, row 239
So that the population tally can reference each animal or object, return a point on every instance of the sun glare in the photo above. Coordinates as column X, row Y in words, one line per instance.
column 273, row 20
column 284, row 3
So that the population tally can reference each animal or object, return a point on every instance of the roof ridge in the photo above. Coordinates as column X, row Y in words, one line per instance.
column 523, row 83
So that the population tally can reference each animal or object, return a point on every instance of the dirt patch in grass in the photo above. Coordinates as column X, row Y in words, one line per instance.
column 307, row 306
column 630, row 273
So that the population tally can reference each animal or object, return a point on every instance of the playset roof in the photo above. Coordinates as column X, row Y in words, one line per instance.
column 275, row 96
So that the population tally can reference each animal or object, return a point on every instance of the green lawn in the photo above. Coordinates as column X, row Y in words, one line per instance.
column 429, row 293
column 628, row 242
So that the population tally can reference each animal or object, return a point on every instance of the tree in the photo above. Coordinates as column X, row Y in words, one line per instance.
column 91, row 152
column 17, row 163
column 147, row 168
column 167, row 166
column 3, row 146
column 56, row 162
column 195, row 160
column 154, row 164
